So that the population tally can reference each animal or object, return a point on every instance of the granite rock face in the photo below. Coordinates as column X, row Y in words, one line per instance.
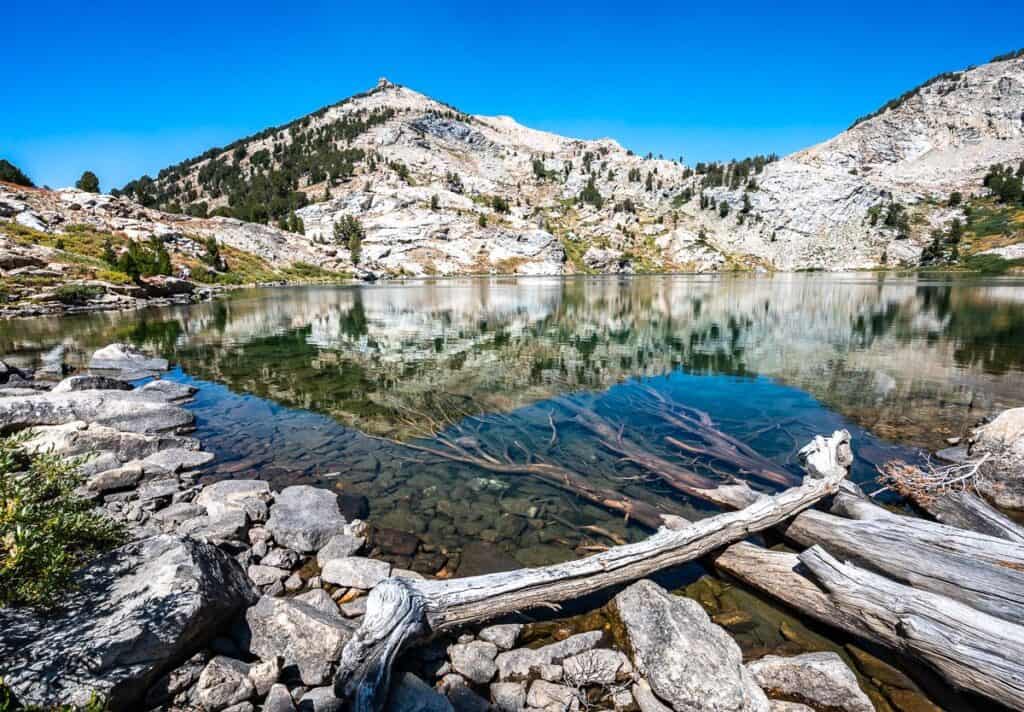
column 138, row 610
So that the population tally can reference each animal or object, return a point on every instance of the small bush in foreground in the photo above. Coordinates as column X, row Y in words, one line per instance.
column 46, row 530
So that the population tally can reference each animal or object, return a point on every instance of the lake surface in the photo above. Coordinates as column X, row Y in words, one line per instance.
column 433, row 399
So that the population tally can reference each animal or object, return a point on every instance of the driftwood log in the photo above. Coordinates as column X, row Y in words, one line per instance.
column 984, row 572
column 971, row 649
column 969, row 511
column 401, row 610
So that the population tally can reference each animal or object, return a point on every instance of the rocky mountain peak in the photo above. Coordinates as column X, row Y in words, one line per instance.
column 430, row 189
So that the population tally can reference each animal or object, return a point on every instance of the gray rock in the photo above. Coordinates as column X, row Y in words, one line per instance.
column 282, row 558
column 504, row 636
column 298, row 633
column 158, row 493
column 320, row 599
column 355, row 572
column 550, row 672
column 230, row 527
column 240, row 707
column 354, row 609
column 249, row 496
column 126, row 361
column 174, row 460
column 120, row 410
column 690, row 662
column 224, row 682
column 266, row 575
column 821, row 680
column 464, row 699
column 278, row 700
column 544, row 694
column 79, row 438
column 596, row 667
column 179, row 512
column 508, row 696
column 293, row 583
column 170, row 685
column 168, row 391
column 117, row 479
column 784, row 706
column 91, row 383
column 339, row 546
column 516, row 664
column 475, row 660
column 320, row 699
column 131, row 614
column 646, row 700
column 305, row 518
column 411, row 694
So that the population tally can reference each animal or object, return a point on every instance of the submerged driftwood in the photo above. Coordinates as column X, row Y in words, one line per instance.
column 401, row 610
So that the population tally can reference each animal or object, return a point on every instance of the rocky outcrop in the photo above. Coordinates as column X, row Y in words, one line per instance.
column 689, row 662
column 134, row 612
column 1001, row 443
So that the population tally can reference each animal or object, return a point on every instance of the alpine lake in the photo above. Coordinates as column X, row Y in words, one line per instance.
column 424, row 403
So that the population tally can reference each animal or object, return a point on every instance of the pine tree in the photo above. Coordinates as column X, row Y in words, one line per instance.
column 88, row 182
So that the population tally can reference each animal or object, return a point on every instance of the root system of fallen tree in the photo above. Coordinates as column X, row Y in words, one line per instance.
column 402, row 610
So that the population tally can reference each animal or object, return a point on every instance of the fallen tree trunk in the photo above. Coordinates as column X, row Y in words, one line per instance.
column 400, row 610
column 981, row 571
column 971, row 649
column 969, row 511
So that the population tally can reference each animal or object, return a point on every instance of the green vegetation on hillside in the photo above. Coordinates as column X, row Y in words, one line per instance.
column 735, row 173
column 268, row 188
column 10, row 173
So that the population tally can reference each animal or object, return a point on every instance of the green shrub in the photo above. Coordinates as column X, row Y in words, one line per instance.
column 46, row 530
column 988, row 264
column 77, row 293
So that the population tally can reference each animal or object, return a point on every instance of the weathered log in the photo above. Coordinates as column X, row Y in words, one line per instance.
column 400, row 610
column 973, row 650
column 984, row 572
column 969, row 511
column 780, row 575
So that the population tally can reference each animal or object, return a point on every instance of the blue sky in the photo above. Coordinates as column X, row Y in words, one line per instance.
column 127, row 88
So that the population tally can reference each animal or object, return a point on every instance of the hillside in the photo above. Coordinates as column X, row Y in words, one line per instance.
column 393, row 183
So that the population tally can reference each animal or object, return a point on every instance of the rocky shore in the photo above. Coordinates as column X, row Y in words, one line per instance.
column 231, row 596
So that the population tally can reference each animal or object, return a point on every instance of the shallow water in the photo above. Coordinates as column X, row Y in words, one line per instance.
column 325, row 384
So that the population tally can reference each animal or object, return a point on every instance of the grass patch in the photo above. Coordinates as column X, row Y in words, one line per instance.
column 46, row 530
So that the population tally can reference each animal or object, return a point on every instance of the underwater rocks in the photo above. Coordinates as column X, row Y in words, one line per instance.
column 132, row 613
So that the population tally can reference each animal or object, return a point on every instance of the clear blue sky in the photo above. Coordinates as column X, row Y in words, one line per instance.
column 125, row 88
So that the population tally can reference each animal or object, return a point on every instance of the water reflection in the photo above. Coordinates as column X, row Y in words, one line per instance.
column 914, row 359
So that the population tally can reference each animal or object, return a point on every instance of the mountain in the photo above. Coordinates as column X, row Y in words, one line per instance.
column 393, row 183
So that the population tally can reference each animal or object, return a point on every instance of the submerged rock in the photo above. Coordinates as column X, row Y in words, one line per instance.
column 689, row 662
column 135, row 612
